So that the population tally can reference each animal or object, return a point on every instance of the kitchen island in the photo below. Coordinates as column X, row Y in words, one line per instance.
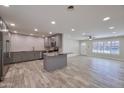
column 54, row 61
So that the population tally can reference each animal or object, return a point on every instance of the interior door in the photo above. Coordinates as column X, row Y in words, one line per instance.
column 83, row 49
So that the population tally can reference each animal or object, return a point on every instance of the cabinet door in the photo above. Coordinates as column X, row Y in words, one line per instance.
column 37, row 55
column 16, row 57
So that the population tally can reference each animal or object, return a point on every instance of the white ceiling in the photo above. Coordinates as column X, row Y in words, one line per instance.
column 84, row 19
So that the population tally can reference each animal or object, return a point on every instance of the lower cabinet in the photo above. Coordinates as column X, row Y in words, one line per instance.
column 25, row 56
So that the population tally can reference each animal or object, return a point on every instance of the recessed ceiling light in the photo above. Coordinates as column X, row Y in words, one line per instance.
column 53, row 22
column 36, row 29
column 31, row 34
column 112, row 27
column 114, row 32
column 106, row 18
column 6, row 5
column 72, row 29
column 50, row 32
column 14, row 31
column 12, row 24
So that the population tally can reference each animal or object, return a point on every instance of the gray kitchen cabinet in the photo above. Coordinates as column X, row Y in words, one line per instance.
column 23, row 56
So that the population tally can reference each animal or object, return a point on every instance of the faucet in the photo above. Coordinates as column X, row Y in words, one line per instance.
column 33, row 48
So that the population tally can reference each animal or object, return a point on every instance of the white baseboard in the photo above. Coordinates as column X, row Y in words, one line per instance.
column 72, row 55
column 122, row 60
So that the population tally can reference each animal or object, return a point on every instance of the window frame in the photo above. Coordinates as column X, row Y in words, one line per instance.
column 105, row 47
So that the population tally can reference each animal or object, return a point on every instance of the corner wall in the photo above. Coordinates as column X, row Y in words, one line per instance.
column 70, row 46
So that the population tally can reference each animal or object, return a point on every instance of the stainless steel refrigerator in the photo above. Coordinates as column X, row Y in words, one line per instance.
column 4, row 49
column 1, row 57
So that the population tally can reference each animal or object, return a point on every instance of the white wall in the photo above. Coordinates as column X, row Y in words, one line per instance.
column 70, row 46
column 26, row 43
column 117, row 57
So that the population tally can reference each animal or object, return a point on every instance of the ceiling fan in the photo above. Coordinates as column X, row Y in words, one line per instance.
column 89, row 37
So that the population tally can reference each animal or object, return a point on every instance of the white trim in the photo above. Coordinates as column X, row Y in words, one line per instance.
column 107, row 58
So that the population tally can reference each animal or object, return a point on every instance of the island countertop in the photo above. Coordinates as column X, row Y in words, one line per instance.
column 56, row 53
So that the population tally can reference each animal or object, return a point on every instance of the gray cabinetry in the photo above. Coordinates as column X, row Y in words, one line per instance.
column 25, row 56
column 53, row 62
column 53, row 42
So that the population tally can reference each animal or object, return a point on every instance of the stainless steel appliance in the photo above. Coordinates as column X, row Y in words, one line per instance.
column 1, row 57
column 53, row 42
column 4, row 48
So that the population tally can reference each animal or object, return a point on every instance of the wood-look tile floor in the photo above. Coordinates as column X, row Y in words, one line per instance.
column 80, row 72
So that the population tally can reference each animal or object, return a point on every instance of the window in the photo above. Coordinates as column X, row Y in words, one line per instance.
column 107, row 47
column 101, row 47
column 98, row 47
column 115, row 47
column 94, row 47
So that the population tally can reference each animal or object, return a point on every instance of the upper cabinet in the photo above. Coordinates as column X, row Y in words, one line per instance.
column 53, row 42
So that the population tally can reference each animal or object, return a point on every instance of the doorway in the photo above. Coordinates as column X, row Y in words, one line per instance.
column 84, row 49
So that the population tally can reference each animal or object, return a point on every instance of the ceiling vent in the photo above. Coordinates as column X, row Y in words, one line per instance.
column 70, row 8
